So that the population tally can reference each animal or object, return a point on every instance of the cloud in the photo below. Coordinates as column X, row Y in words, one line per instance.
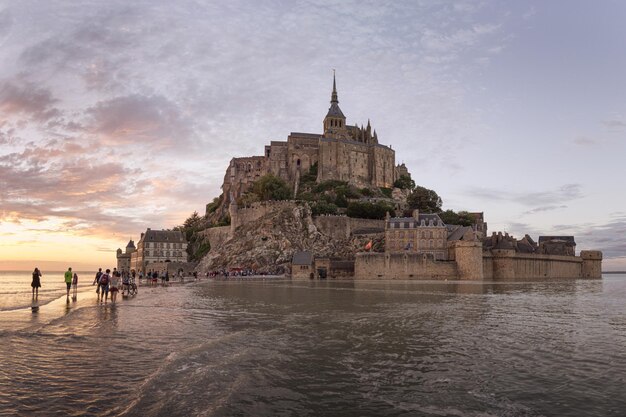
column 615, row 125
column 6, row 22
column 21, row 97
column 152, row 121
column 586, row 141
column 545, row 208
column 550, row 198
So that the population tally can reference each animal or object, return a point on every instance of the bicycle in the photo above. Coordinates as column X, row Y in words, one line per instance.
column 132, row 287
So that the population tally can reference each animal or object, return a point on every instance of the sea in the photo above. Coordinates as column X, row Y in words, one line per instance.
column 276, row 347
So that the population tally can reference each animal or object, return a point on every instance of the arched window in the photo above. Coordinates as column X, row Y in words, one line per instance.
column 298, row 162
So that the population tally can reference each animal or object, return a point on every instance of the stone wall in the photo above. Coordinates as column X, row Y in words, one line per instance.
column 257, row 210
column 504, row 265
column 358, row 163
column 592, row 263
column 402, row 266
column 172, row 268
column 471, row 264
column 342, row 227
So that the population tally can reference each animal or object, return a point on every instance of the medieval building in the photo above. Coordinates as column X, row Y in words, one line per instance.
column 158, row 246
column 342, row 152
column 123, row 258
column 421, row 233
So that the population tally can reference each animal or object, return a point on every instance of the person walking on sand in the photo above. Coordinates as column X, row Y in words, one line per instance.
column 114, row 285
column 36, row 284
column 96, row 281
column 74, row 286
column 68, row 280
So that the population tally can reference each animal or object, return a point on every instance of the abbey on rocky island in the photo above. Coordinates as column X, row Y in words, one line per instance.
column 342, row 152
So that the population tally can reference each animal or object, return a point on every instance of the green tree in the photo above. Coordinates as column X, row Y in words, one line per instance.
column 424, row 200
column 193, row 221
column 269, row 187
column 405, row 182
column 322, row 207
column 211, row 207
column 365, row 210
column 387, row 192
column 462, row 218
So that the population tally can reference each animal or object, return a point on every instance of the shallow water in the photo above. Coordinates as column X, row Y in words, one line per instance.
column 282, row 348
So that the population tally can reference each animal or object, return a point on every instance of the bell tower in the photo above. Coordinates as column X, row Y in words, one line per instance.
column 335, row 121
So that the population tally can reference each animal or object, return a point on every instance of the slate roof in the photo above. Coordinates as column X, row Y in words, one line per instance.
column 426, row 217
column 302, row 258
column 335, row 111
column 305, row 135
column 131, row 244
column 163, row 236
column 458, row 233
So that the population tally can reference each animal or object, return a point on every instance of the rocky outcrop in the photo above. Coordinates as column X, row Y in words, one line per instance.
column 267, row 244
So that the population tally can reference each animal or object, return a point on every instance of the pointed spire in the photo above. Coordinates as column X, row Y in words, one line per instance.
column 333, row 97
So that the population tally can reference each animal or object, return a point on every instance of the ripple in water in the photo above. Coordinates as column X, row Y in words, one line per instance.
column 268, row 348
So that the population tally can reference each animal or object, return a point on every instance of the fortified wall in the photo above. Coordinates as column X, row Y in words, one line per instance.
column 469, row 262
column 507, row 265
column 240, row 216
column 342, row 227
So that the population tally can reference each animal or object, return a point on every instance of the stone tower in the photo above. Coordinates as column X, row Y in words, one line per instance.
column 335, row 121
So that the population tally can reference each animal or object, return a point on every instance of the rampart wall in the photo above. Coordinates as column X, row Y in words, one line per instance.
column 509, row 265
column 173, row 268
column 402, row 266
column 257, row 210
column 471, row 264
column 342, row 227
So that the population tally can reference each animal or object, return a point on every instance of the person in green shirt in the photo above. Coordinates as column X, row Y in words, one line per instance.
column 68, row 280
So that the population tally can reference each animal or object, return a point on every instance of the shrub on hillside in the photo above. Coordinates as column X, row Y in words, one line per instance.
column 365, row 210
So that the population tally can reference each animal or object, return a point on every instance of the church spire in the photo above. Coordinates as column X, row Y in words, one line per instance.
column 335, row 121
column 333, row 97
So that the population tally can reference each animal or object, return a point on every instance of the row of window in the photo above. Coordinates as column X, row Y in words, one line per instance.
column 422, row 244
column 437, row 234
column 164, row 245
column 336, row 123
column 165, row 254
column 412, row 225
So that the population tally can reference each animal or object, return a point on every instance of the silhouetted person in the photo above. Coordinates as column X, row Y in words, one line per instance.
column 36, row 282
column 74, row 285
column 68, row 280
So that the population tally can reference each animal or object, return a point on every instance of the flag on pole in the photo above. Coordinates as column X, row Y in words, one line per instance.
column 369, row 245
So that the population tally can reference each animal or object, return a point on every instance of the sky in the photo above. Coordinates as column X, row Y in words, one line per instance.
column 117, row 116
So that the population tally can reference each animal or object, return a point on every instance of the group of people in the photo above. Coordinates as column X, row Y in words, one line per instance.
column 109, row 282
column 71, row 281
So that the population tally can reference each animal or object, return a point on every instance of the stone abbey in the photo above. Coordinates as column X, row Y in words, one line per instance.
column 342, row 152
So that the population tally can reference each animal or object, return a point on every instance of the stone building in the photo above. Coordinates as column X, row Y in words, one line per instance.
column 123, row 258
column 302, row 265
column 479, row 225
column 158, row 246
column 421, row 233
column 557, row 245
column 342, row 152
